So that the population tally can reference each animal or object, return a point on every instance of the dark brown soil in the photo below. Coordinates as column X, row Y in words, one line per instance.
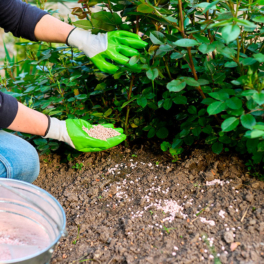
column 117, row 202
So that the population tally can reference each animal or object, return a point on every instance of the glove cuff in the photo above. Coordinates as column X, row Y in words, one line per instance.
column 67, row 40
column 87, row 42
column 57, row 130
column 48, row 126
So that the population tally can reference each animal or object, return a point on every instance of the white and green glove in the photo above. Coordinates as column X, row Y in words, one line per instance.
column 71, row 132
column 116, row 45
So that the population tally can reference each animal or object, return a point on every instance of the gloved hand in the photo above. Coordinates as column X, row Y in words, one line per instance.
column 112, row 45
column 71, row 132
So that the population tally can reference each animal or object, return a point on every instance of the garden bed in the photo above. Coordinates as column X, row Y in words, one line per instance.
column 133, row 206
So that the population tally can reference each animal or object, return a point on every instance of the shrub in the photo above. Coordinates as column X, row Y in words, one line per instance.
column 200, row 78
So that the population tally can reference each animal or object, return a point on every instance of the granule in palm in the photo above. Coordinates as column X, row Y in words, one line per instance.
column 101, row 132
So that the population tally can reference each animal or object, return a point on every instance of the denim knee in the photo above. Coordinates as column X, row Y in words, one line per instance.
column 18, row 159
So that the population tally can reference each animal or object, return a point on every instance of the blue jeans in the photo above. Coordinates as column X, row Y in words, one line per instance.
column 18, row 159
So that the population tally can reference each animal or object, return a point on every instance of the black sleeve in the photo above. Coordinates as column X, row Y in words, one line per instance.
column 20, row 18
column 8, row 110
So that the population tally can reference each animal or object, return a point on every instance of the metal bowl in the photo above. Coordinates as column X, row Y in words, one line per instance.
column 31, row 223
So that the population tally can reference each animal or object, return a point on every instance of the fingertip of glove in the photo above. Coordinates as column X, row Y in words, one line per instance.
column 119, row 130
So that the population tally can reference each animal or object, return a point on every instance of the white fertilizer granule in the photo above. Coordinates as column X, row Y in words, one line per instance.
column 100, row 132
column 215, row 182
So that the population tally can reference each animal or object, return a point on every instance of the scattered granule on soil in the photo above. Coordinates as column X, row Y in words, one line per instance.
column 215, row 182
column 100, row 132
column 168, row 206
column 210, row 222
column 221, row 213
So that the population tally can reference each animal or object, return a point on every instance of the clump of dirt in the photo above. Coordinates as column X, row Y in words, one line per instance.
column 135, row 207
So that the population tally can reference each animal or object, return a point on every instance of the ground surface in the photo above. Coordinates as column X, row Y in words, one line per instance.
column 131, row 206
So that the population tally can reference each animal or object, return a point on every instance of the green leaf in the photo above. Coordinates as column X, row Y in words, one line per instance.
column 258, row 19
column 152, row 74
column 186, row 42
column 234, row 103
column 210, row 6
column 221, row 24
column 230, row 33
column 258, row 98
column 230, row 64
column 81, row 96
column 248, row 92
column 201, row 39
column 224, row 16
column 259, row 127
column 203, row 81
column 180, row 99
column 259, row 57
column 165, row 146
column 131, row 100
column 261, row 146
column 188, row 140
column 191, row 81
column 176, row 85
column 217, row 147
column 162, row 132
column 203, row 48
column 142, row 101
column 108, row 112
column 40, row 141
column 134, row 60
column 151, row 133
column 192, row 110
column 196, row 131
column 248, row 61
column 216, row 108
column 107, row 21
column 84, row 24
column 225, row 139
column 157, row 37
column 143, row 8
column 219, row 96
column 235, row 112
column 177, row 142
column 248, row 121
column 100, row 86
column 256, row 133
column 176, row 55
column 167, row 103
column 229, row 124
column 245, row 23
column 211, row 139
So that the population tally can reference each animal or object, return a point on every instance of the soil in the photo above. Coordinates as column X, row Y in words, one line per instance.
column 134, row 206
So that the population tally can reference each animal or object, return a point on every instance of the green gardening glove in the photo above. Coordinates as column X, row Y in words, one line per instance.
column 118, row 46
column 71, row 131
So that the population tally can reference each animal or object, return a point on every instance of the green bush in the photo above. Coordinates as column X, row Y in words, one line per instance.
column 201, row 76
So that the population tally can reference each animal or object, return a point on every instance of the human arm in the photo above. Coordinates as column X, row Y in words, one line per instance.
column 70, row 131
column 117, row 45
column 29, row 121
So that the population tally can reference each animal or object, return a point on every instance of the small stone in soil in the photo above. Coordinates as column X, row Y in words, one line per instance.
column 228, row 236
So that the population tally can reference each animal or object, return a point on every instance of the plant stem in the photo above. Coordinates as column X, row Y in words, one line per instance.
column 110, row 7
column 137, row 24
column 167, row 68
column 198, row 88
column 181, row 18
column 90, row 13
column 128, row 98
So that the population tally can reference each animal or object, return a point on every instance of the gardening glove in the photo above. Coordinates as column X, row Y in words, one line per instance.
column 112, row 45
column 71, row 132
